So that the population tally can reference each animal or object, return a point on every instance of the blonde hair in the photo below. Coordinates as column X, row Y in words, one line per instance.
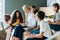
column 26, row 7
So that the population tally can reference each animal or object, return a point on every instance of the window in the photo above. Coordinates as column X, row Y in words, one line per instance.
column 2, row 10
column 51, row 2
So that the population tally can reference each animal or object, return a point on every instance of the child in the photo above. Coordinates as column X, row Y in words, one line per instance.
column 7, row 26
column 45, row 31
column 55, row 26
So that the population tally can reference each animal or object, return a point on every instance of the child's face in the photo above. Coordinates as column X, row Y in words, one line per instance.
column 36, row 17
column 17, row 14
column 9, row 21
column 32, row 9
column 26, row 11
column 54, row 8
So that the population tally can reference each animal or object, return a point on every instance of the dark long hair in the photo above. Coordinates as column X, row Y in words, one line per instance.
column 56, row 5
column 14, row 17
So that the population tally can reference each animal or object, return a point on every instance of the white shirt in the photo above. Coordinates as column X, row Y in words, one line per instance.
column 8, row 31
column 57, row 16
column 6, row 25
column 30, row 20
column 44, row 27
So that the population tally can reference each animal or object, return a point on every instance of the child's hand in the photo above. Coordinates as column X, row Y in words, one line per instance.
column 49, row 22
column 23, row 24
column 33, row 35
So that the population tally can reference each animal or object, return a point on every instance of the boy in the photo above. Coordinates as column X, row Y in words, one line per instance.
column 45, row 31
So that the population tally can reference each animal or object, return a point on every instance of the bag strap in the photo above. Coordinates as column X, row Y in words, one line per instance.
column 2, row 25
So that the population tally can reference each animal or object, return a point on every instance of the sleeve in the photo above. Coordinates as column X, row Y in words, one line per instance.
column 31, row 21
column 14, row 24
column 42, row 27
column 58, row 17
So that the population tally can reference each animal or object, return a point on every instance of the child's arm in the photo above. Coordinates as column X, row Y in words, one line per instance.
column 40, row 35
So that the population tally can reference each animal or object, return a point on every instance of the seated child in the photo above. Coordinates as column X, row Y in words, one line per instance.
column 45, row 31
column 7, row 26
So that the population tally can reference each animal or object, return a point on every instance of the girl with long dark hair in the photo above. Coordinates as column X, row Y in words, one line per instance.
column 16, row 18
column 18, row 30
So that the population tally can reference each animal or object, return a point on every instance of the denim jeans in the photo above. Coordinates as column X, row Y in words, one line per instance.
column 34, row 31
column 37, row 38
column 55, row 27
column 18, row 32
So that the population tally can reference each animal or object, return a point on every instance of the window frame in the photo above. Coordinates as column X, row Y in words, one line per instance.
column 2, row 11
